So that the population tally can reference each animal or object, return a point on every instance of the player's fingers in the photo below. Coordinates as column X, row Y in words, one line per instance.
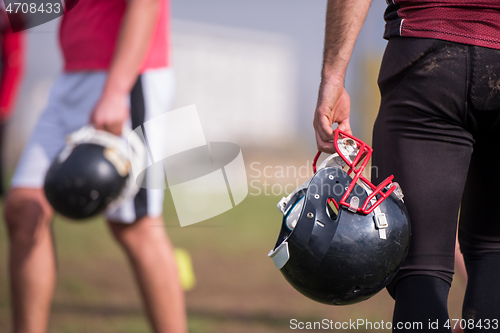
column 323, row 128
column 324, row 146
column 114, row 128
column 97, row 125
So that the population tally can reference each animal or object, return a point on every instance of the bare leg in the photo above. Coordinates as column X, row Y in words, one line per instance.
column 152, row 258
column 31, row 259
column 459, row 262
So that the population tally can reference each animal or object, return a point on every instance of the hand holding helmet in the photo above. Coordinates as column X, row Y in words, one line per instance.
column 342, row 238
column 92, row 172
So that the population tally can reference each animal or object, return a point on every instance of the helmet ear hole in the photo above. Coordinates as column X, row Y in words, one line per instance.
column 293, row 217
column 332, row 208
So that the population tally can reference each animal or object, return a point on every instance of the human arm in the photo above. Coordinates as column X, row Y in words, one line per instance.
column 343, row 23
column 135, row 35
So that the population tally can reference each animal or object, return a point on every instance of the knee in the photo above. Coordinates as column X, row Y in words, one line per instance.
column 27, row 214
column 141, row 235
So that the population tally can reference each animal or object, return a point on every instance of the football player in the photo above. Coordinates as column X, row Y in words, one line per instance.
column 438, row 133
column 116, row 73
column 12, row 68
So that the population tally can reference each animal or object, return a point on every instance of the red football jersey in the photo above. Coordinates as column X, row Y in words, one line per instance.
column 89, row 33
column 474, row 22
column 11, row 65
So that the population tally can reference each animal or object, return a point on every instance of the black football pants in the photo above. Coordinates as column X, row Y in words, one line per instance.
column 438, row 133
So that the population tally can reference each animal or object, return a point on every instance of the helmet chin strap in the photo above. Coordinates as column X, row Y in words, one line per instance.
column 333, row 160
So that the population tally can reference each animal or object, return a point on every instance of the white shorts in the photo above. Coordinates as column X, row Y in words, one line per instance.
column 71, row 102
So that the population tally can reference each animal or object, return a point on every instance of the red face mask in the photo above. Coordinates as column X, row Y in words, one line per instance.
column 356, row 155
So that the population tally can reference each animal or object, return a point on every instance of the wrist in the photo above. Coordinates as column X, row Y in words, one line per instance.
column 114, row 92
column 329, row 76
column 119, row 83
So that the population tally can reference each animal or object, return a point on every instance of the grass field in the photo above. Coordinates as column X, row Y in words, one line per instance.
column 238, row 289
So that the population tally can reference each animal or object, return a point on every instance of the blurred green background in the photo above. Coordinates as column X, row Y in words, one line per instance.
column 238, row 288
column 253, row 70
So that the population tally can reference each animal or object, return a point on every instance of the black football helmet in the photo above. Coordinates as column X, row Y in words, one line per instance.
column 342, row 238
column 92, row 172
